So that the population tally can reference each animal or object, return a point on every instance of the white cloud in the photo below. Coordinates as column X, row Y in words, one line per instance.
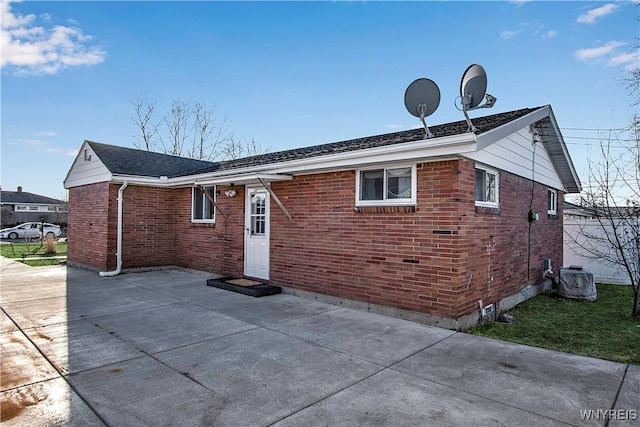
column 393, row 126
column 507, row 34
column 519, row 2
column 629, row 60
column 595, row 53
column 592, row 15
column 34, row 142
column 28, row 49
column 47, row 133
column 532, row 29
column 63, row 151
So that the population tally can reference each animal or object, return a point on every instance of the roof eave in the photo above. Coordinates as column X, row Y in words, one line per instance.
column 553, row 142
column 408, row 151
column 487, row 138
column 560, row 154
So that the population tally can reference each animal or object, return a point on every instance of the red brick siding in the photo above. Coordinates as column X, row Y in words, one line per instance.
column 389, row 258
column 435, row 260
column 215, row 247
column 147, row 231
column 88, row 225
column 498, row 241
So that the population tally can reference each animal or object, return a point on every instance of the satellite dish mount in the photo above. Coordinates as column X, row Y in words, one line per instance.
column 473, row 89
column 422, row 98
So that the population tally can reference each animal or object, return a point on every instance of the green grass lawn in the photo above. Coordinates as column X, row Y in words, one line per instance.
column 602, row 329
column 34, row 249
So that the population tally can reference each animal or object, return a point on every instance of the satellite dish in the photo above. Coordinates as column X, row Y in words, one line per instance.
column 473, row 89
column 422, row 98
column 473, row 86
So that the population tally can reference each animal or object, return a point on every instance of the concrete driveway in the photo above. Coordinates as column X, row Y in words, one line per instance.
column 161, row 348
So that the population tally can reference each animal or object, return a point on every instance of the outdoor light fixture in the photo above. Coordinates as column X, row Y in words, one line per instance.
column 230, row 193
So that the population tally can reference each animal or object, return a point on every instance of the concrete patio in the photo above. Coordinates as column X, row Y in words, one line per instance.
column 160, row 348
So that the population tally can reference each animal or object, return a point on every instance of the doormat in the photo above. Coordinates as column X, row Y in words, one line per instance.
column 243, row 282
column 244, row 286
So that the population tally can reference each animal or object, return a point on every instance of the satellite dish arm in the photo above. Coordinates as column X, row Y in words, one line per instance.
column 471, row 127
column 422, row 108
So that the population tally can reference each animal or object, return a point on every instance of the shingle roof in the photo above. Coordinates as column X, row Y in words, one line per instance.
column 129, row 161
column 19, row 197
column 482, row 124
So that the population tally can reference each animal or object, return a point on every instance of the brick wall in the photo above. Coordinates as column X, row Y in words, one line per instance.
column 88, row 229
column 502, row 256
column 148, row 226
column 437, row 260
column 215, row 247
column 396, row 257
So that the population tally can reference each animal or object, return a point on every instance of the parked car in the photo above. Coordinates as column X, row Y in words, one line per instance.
column 30, row 230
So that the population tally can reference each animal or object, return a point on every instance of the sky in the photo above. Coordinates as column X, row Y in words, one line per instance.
column 295, row 74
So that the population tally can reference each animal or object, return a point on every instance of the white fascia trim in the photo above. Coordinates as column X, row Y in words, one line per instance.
column 565, row 151
column 202, row 179
column 241, row 179
column 495, row 135
column 403, row 152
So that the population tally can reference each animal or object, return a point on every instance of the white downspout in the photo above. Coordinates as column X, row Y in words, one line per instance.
column 119, row 241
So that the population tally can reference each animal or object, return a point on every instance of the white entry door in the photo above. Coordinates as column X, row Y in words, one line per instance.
column 256, row 241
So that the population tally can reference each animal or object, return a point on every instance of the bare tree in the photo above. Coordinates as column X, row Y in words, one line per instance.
column 177, row 124
column 144, row 109
column 236, row 148
column 207, row 134
column 188, row 129
column 612, row 200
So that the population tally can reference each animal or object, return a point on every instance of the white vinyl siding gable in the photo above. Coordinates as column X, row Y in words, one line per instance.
column 514, row 154
column 87, row 170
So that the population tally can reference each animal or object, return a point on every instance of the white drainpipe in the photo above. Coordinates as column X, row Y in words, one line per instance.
column 119, row 243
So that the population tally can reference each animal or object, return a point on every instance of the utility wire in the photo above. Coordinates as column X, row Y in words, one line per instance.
column 597, row 129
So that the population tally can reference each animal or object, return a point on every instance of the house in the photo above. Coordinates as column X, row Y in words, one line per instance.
column 438, row 230
column 21, row 206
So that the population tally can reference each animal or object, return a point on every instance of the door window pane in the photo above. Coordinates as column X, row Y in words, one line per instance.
column 258, row 214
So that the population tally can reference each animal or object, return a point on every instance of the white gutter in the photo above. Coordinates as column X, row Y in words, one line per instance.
column 435, row 147
column 119, row 242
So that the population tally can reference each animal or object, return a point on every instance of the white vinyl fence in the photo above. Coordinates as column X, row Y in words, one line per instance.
column 574, row 240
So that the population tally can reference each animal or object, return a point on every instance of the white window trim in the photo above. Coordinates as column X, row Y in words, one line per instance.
column 207, row 221
column 495, row 204
column 555, row 201
column 388, row 202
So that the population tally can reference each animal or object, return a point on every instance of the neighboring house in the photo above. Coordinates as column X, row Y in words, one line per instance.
column 21, row 206
column 579, row 220
column 424, row 229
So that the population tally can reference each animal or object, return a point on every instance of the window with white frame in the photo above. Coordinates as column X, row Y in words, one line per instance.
column 203, row 204
column 487, row 183
column 552, row 201
column 387, row 186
